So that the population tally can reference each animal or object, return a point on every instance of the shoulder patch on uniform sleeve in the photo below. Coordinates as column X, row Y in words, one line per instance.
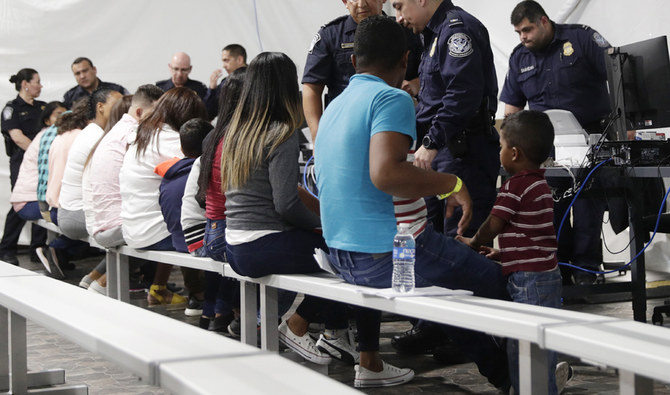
column 600, row 40
column 316, row 39
column 7, row 113
column 460, row 45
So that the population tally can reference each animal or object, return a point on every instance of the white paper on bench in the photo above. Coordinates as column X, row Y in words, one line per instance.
column 389, row 293
column 321, row 258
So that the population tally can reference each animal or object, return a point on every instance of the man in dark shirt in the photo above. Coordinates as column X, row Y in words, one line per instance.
column 87, row 82
column 329, row 60
column 180, row 68
column 233, row 57
column 562, row 67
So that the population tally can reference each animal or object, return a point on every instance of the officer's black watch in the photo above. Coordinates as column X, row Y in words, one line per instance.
column 428, row 143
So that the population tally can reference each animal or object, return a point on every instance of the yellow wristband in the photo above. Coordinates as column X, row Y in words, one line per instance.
column 457, row 188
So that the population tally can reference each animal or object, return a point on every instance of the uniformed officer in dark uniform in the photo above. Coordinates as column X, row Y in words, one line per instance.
column 457, row 102
column 562, row 67
column 87, row 82
column 20, row 124
column 329, row 60
column 180, row 68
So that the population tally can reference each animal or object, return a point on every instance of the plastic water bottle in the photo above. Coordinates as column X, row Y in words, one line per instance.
column 404, row 251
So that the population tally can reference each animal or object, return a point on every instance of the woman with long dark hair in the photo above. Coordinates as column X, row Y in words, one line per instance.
column 156, row 140
column 221, row 294
column 269, row 230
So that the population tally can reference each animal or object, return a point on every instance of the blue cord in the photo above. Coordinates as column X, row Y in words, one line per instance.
column 304, row 177
column 658, row 220
column 567, row 212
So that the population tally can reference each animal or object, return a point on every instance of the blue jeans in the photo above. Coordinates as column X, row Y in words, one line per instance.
column 288, row 252
column 30, row 212
column 221, row 294
column 442, row 261
column 540, row 289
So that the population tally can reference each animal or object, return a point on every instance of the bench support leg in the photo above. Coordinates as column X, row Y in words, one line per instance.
column 4, row 343
column 533, row 365
column 13, row 351
column 248, row 316
column 117, row 276
column 269, row 313
column 630, row 384
column 18, row 358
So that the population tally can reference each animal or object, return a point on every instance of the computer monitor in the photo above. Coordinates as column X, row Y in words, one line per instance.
column 638, row 79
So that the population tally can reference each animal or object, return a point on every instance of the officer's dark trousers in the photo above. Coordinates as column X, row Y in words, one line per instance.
column 14, row 223
column 478, row 170
column 579, row 240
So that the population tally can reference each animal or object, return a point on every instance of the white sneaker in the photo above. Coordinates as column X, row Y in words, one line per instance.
column 338, row 348
column 564, row 374
column 95, row 287
column 85, row 281
column 389, row 376
column 303, row 345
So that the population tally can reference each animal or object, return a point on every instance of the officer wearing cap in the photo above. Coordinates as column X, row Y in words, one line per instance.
column 560, row 66
column 87, row 81
column 329, row 59
column 20, row 124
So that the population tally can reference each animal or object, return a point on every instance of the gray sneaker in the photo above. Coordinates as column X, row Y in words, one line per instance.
column 564, row 374
column 235, row 328
column 338, row 348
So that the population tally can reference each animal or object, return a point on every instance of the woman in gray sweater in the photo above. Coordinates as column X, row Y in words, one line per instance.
column 269, row 230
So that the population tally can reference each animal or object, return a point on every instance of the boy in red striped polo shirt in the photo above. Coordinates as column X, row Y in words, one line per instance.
column 522, row 219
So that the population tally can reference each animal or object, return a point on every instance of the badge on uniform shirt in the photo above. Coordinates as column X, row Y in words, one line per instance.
column 347, row 45
column 432, row 49
column 315, row 40
column 567, row 49
column 600, row 40
column 7, row 113
column 460, row 45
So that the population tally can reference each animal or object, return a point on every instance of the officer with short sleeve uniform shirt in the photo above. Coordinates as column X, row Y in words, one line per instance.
column 568, row 74
column 560, row 66
column 18, row 114
column 457, row 100
column 329, row 57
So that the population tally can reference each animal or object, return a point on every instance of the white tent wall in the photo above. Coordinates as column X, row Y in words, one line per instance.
column 131, row 41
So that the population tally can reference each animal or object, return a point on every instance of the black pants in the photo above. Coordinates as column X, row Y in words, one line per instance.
column 13, row 223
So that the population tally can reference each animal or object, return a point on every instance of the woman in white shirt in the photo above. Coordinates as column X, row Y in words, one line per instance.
column 71, row 218
column 156, row 140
